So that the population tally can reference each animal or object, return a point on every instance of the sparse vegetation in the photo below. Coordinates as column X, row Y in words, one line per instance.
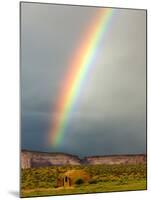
column 104, row 178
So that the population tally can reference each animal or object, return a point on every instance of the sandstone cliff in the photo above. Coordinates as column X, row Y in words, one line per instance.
column 31, row 159
column 40, row 159
column 116, row 159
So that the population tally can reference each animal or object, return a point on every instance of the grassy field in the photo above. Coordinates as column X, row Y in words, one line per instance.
column 104, row 178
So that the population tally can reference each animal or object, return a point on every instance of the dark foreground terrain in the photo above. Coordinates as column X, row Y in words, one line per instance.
column 42, row 181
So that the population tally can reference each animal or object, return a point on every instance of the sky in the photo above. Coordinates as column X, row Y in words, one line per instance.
column 110, row 113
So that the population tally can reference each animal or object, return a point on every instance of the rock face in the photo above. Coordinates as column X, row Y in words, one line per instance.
column 26, row 159
column 31, row 159
column 116, row 159
column 40, row 159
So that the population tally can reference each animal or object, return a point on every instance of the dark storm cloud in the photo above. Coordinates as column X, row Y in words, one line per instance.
column 109, row 115
column 35, row 127
column 104, row 135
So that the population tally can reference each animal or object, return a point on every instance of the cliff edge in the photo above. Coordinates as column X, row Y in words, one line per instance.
column 31, row 159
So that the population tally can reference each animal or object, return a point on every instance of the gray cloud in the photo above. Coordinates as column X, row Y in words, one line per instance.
column 109, row 116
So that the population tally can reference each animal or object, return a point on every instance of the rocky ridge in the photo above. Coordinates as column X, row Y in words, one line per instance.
column 31, row 159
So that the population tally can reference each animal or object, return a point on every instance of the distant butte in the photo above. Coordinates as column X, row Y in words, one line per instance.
column 30, row 159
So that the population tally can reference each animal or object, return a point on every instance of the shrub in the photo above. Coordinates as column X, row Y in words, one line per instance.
column 79, row 181
column 93, row 181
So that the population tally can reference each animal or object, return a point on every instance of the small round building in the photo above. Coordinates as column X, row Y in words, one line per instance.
column 73, row 177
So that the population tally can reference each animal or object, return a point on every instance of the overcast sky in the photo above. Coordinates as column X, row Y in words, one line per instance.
column 110, row 113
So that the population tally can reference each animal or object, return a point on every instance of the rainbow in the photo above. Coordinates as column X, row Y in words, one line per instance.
column 80, row 64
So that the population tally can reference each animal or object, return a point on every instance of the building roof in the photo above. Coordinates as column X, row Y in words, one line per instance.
column 75, row 174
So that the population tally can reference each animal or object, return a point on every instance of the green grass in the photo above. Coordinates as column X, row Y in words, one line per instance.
column 104, row 178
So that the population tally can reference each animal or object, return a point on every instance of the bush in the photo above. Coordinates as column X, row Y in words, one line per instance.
column 79, row 181
column 93, row 181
